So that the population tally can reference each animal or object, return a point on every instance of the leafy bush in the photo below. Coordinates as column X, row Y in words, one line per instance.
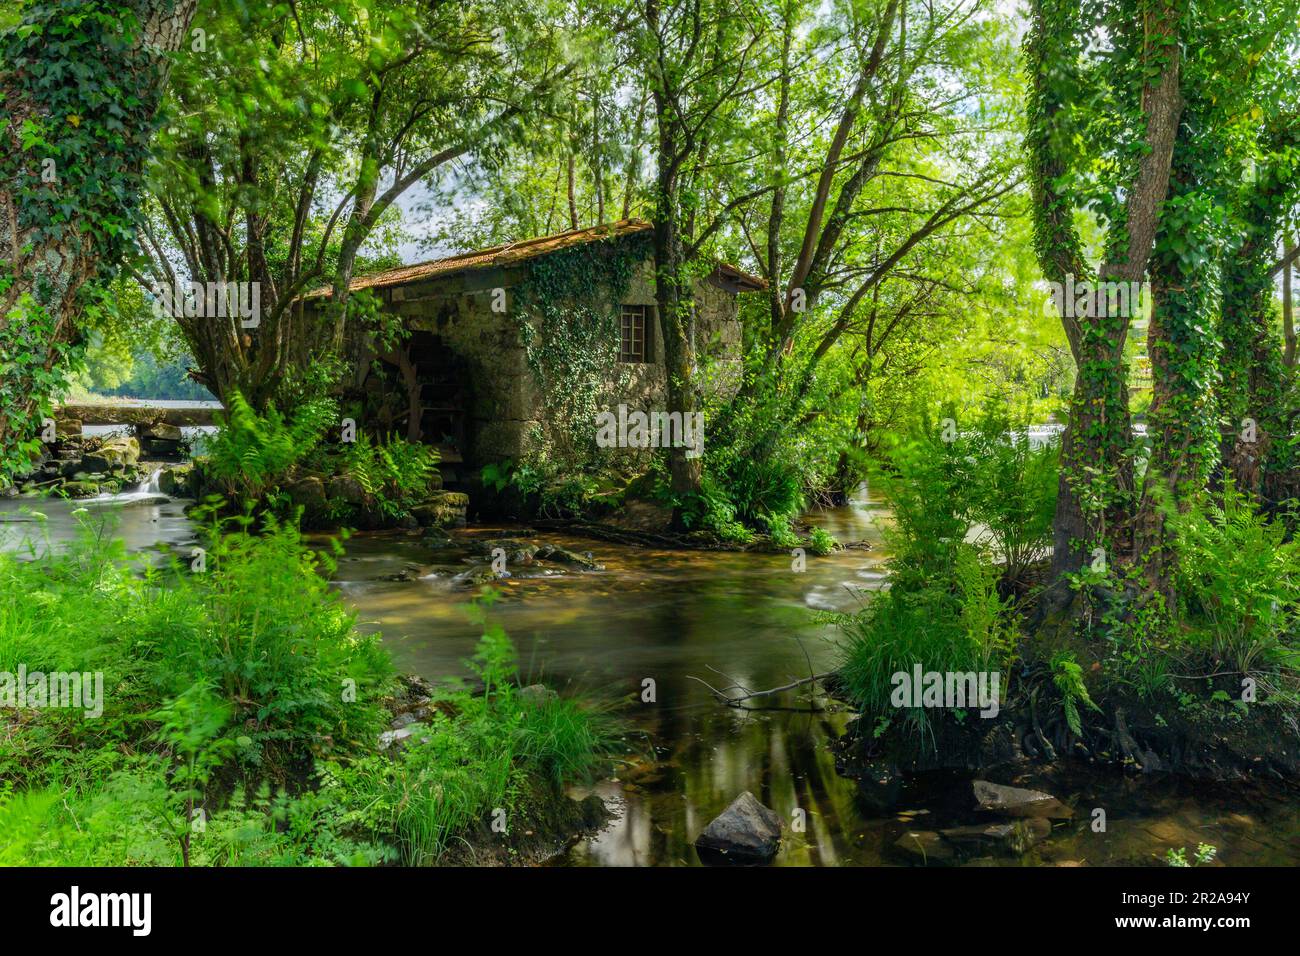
column 944, row 609
column 261, row 627
column 251, row 454
column 1013, row 497
column 978, row 479
column 821, row 541
column 224, row 690
column 277, row 642
column 477, row 755
column 1239, row 579
column 393, row 474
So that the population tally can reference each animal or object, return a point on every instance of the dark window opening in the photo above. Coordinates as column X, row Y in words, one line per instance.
column 634, row 334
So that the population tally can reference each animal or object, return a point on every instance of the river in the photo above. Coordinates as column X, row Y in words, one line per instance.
column 668, row 617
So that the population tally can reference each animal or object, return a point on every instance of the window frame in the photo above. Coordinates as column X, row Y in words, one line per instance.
column 627, row 333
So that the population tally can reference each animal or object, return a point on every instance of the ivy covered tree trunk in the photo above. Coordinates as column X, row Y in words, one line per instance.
column 1181, row 342
column 1096, row 487
column 1180, row 422
column 1255, row 377
column 80, row 84
column 676, row 303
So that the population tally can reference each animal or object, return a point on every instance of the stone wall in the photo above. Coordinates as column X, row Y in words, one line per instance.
column 507, row 419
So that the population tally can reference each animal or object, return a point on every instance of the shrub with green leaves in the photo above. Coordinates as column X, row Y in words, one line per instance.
column 1239, row 581
column 477, row 753
column 245, row 693
column 252, row 453
column 393, row 474
column 970, row 477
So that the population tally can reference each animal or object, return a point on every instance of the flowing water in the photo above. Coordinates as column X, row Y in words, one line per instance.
column 678, row 619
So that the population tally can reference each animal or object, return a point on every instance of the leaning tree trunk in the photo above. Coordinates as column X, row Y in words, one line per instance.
column 80, row 85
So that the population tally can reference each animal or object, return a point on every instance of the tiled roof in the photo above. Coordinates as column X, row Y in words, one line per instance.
column 513, row 252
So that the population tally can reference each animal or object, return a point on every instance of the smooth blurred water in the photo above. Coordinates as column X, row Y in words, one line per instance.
column 723, row 617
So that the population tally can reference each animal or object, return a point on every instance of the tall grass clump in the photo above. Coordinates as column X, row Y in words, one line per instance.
column 479, row 753
column 971, row 509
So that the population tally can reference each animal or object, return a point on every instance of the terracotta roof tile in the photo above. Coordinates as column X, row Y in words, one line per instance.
column 513, row 252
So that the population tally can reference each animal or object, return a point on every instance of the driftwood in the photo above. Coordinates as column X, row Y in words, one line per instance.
column 738, row 700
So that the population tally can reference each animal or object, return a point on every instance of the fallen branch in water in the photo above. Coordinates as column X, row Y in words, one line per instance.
column 734, row 700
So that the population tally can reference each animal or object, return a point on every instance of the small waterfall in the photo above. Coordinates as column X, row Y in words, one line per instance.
column 149, row 488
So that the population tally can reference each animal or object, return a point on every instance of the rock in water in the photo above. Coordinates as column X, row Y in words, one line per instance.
column 1016, row 802
column 745, row 832
column 1013, row 838
column 537, row 694
column 926, row 846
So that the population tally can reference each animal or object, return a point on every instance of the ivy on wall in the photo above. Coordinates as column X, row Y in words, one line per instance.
column 570, row 302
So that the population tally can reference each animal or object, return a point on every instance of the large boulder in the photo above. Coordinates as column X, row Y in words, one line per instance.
column 1017, row 802
column 177, row 481
column 346, row 489
column 80, row 489
column 309, row 494
column 442, row 509
column 115, row 454
column 745, row 832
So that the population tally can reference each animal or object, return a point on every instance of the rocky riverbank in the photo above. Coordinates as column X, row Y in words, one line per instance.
column 75, row 466
column 1197, row 741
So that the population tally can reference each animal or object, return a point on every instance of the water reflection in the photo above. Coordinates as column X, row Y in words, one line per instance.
column 669, row 616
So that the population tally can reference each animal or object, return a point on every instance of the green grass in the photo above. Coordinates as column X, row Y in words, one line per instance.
column 246, row 694
column 484, row 757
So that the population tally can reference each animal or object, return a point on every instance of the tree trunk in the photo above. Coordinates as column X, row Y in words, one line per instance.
column 1094, row 452
column 673, row 295
column 1288, row 312
column 62, row 221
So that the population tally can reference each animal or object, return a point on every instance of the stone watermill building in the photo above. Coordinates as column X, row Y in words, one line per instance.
column 464, row 378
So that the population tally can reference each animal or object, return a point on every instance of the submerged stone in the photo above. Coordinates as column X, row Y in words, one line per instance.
column 926, row 846
column 1013, row 837
column 1018, row 802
